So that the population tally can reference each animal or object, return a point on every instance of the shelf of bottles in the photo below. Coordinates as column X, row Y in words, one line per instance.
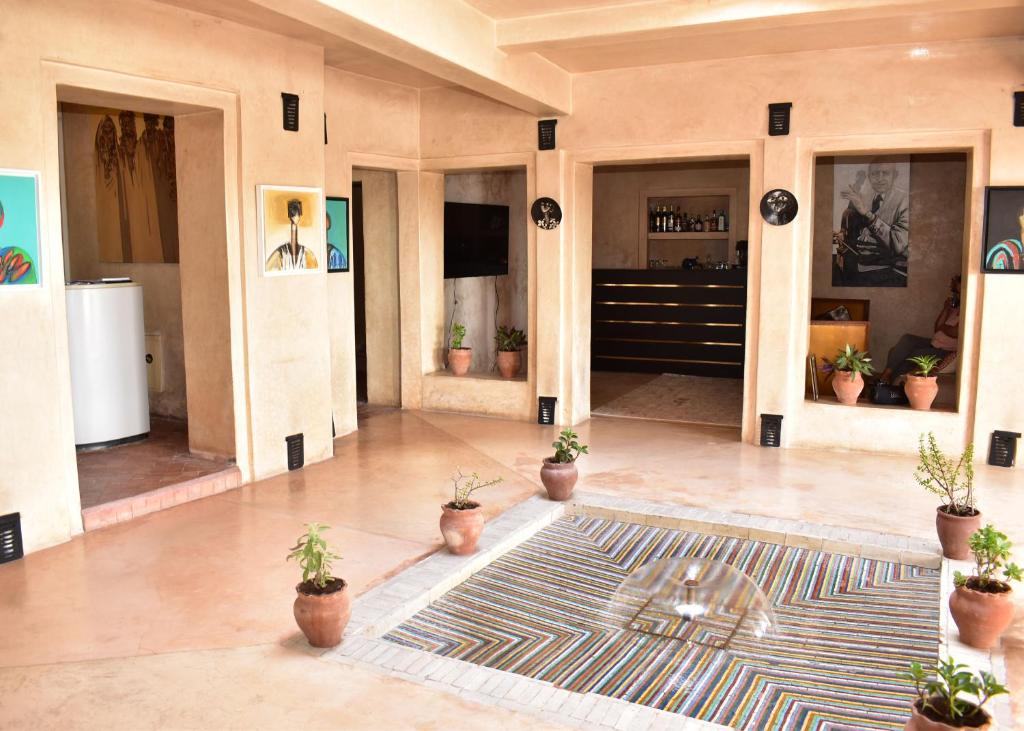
column 668, row 220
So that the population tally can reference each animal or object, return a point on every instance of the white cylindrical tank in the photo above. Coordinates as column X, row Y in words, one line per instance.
column 107, row 344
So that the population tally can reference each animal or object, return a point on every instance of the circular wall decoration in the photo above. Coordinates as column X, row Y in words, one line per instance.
column 546, row 213
column 778, row 207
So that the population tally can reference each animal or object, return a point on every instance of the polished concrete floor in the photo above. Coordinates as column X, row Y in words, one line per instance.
column 115, row 628
column 131, row 469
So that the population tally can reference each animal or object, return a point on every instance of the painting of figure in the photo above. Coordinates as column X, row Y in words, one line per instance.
column 291, row 230
column 337, row 234
column 1004, row 230
column 871, row 222
column 19, row 228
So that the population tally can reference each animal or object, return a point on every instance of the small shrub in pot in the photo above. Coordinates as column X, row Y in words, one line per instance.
column 921, row 386
column 953, row 481
column 462, row 519
column 942, row 702
column 322, row 604
column 558, row 473
column 509, row 340
column 982, row 603
column 459, row 358
column 848, row 370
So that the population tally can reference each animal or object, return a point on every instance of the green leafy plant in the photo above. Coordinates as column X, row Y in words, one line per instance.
column 509, row 339
column 313, row 555
column 942, row 698
column 925, row 364
column 458, row 333
column 852, row 361
column 465, row 486
column 951, row 481
column 992, row 551
column 568, row 447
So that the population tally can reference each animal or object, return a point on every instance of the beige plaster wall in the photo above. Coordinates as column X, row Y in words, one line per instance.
column 833, row 112
column 478, row 296
column 380, row 272
column 161, row 287
column 617, row 191
column 280, row 345
column 937, row 185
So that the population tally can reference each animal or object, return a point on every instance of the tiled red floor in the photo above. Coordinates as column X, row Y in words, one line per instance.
column 128, row 470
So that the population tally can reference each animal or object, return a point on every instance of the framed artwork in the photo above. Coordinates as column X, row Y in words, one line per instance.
column 871, row 222
column 20, row 247
column 1003, row 237
column 337, row 234
column 291, row 230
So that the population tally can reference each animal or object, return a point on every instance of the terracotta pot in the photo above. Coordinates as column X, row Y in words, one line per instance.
column 981, row 616
column 919, row 722
column 508, row 363
column 459, row 360
column 955, row 532
column 461, row 529
column 559, row 478
column 846, row 390
column 921, row 390
column 322, row 617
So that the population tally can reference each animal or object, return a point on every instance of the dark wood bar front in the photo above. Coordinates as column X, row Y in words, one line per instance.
column 669, row 321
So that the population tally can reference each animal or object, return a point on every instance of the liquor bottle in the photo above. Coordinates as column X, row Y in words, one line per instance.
column 679, row 221
column 657, row 219
column 671, row 220
column 661, row 220
column 725, row 220
column 699, row 226
column 713, row 221
column 650, row 219
column 707, row 223
column 721, row 221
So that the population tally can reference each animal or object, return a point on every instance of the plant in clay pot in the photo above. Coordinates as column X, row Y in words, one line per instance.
column 558, row 473
column 322, row 604
column 848, row 370
column 509, row 340
column 459, row 358
column 958, row 517
column 921, row 386
column 953, row 700
column 462, row 520
column 982, row 604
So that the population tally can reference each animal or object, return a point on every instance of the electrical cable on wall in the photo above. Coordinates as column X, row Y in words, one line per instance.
column 497, row 301
column 455, row 305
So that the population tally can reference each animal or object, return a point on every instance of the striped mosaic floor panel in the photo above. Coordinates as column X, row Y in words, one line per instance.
column 847, row 627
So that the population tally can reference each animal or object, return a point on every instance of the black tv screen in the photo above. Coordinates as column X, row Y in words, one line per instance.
column 475, row 240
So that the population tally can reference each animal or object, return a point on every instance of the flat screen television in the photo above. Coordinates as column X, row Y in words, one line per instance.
column 475, row 240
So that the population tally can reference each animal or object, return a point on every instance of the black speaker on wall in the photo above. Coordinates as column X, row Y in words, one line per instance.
column 546, row 134
column 546, row 409
column 11, row 547
column 290, row 111
column 778, row 118
column 1018, row 109
column 1002, row 450
column 296, row 451
column 771, row 430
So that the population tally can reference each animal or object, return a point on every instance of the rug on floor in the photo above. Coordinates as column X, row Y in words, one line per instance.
column 671, row 397
column 847, row 628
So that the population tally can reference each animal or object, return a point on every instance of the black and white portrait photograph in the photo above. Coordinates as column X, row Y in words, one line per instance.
column 871, row 222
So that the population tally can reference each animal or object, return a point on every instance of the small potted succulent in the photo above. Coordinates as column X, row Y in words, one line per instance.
column 509, row 340
column 958, row 516
column 459, row 358
column 943, row 703
column 322, row 604
column 558, row 473
column 982, row 604
column 462, row 520
column 921, row 386
column 848, row 370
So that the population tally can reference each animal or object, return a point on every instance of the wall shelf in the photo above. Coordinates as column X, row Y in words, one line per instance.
column 692, row 235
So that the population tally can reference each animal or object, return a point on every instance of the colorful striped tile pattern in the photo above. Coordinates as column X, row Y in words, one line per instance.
column 847, row 628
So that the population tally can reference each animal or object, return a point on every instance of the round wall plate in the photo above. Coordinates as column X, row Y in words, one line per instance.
column 546, row 213
column 778, row 207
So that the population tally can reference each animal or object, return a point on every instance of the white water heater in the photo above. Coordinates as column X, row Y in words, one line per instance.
column 107, row 344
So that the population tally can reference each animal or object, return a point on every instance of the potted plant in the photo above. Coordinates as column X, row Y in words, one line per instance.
column 943, row 703
column 848, row 371
column 958, row 517
column 462, row 520
column 509, row 340
column 558, row 473
column 459, row 358
column 921, row 386
column 322, row 604
column 982, row 604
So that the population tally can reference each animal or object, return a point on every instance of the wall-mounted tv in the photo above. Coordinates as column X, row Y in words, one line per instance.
column 475, row 240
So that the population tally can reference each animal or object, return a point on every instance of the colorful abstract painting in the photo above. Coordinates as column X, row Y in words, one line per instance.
column 1004, row 230
column 19, row 228
column 291, row 221
column 337, row 234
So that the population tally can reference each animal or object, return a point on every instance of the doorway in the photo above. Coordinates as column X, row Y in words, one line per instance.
column 669, row 283
column 155, row 424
